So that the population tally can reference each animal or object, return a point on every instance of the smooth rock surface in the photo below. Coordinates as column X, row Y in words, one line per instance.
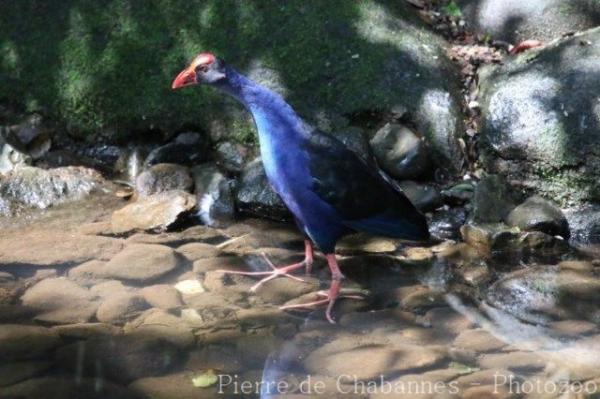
column 400, row 152
column 154, row 212
column 141, row 263
column 538, row 214
column 60, row 301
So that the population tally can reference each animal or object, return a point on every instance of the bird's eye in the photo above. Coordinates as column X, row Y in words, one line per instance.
column 202, row 68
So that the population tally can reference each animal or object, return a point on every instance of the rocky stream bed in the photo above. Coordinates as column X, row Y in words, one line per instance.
column 121, row 201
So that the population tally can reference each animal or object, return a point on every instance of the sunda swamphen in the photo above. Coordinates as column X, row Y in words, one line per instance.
column 328, row 188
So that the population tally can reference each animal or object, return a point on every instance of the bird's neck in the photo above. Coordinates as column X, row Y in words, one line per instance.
column 274, row 118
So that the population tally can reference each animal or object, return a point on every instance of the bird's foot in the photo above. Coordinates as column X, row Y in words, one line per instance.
column 271, row 274
column 327, row 300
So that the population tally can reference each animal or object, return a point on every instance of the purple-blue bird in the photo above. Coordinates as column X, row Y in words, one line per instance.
column 330, row 190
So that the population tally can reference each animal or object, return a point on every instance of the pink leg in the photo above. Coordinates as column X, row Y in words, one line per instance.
column 279, row 271
column 334, row 290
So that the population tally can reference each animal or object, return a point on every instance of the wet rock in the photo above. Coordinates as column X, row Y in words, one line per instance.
column 446, row 223
column 60, row 301
column 281, row 290
column 233, row 156
column 424, row 197
column 32, row 187
column 56, row 249
column 501, row 241
column 154, row 212
column 493, row 200
column 361, row 243
column 351, row 356
column 86, row 330
column 445, row 319
column 13, row 372
column 198, row 250
column 220, row 263
column 355, row 139
column 545, row 293
column 458, row 194
column 121, row 307
column 18, row 341
column 107, row 288
column 162, row 296
column 479, row 341
column 418, row 297
column 584, row 223
column 515, row 21
column 141, row 263
column 216, row 206
column 163, row 177
column 67, row 387
column 538, row 214
column 87, row 273
column 165, row 326
column 515, row 361
column 170, row 386
column 188, row 148
column 122, row 358
column 573, row 328
column 400, row 152
column 539, row 119
column 255, row 195
column 10, row 313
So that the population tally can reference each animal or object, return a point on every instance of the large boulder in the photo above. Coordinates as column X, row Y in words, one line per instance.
column 541, row 118
column 517, row 20
column 331, row 58
column 28, row 186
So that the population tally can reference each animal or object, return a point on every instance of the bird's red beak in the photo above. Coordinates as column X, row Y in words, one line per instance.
column 187, row 77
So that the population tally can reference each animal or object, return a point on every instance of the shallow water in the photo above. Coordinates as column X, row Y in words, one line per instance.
column 150, row 315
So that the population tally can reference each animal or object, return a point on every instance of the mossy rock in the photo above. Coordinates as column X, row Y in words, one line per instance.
column 541, row 119
column 106, row 66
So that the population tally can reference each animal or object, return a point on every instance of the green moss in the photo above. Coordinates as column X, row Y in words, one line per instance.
column 107, row 65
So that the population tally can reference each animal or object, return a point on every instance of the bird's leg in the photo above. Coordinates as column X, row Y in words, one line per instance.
column 279, row 271
column 334, row 290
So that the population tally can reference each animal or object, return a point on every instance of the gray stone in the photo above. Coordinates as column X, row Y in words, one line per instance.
column 188, row 148
column 400, row 152
column 121, row 307
column 179, row 385
column 30, row 187
column 60, row 301
column 159, row 324
column 18, row 341
column 255, row 195
column 446, row 223
column 493, row 200
column 154, row 212
column 141, row 263
column 233, row 156
column 540, row 124
column 515, row 21
column 216, row 206
column 163, row 177
column 538, row 214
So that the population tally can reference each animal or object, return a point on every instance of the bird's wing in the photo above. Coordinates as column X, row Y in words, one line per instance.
column 365, row 199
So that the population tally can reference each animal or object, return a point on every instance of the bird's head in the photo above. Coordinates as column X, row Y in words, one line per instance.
column 205, row 68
